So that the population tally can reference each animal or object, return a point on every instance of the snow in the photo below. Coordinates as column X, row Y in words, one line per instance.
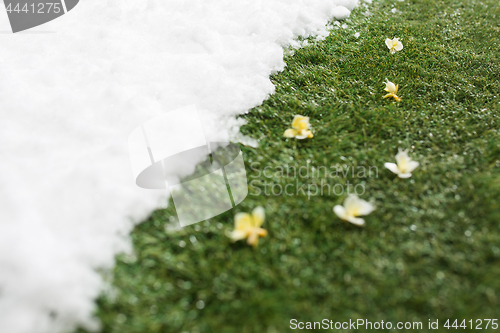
column 72, row 90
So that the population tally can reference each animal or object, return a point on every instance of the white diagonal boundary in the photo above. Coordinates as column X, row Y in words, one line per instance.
column 63, row 2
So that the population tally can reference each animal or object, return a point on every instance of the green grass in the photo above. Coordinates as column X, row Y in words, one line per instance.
column 431, row 250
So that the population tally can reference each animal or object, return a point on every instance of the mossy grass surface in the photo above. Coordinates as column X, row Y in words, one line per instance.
column 430, row 250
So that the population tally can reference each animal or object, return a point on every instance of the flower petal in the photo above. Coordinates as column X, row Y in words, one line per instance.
column 302, row 125
column 236, row 235
column 402, row 157
column 253, row 239
column 393, row 167
column 391, row 87
column 242, row 221
column 399, row 46
column 351, row 203
column 388, row 42
column 303, row 135
column 356, row 220
column 404, row 175
column 365, row 207
column 290, row 133
column 340, row 211
column 411, row 165
column 258, row 216
column 261, row 232
column 298, row 119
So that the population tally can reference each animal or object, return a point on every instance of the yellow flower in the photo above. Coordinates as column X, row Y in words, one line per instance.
column 405, row 165
column 394, row 45
column 392, row 90
column 353, row 207
column 300, row 128
column 248, row 226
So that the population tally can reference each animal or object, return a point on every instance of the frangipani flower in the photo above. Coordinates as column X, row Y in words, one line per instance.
column 248, row 226
column 353, row 207
column 405, row 165
column 392, row 90
column 300, row 128
column 394, row 45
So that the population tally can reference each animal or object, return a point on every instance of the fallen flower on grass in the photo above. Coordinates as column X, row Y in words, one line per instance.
column 394, row 45
column 353, row 207
column 392, row 90
column 300, row 128
column 248, row 226
column 405, row 165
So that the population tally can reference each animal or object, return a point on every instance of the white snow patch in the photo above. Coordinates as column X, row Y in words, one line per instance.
column 72, row 90
column 342, row 13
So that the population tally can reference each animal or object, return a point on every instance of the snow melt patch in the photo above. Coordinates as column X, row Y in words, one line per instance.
column 72, row 90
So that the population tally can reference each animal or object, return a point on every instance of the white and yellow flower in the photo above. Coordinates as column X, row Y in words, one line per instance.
column 394, row 45
column 249, row 226
column 352, row 208
column 300, row 128
column 392, row 90
column 405, row 165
